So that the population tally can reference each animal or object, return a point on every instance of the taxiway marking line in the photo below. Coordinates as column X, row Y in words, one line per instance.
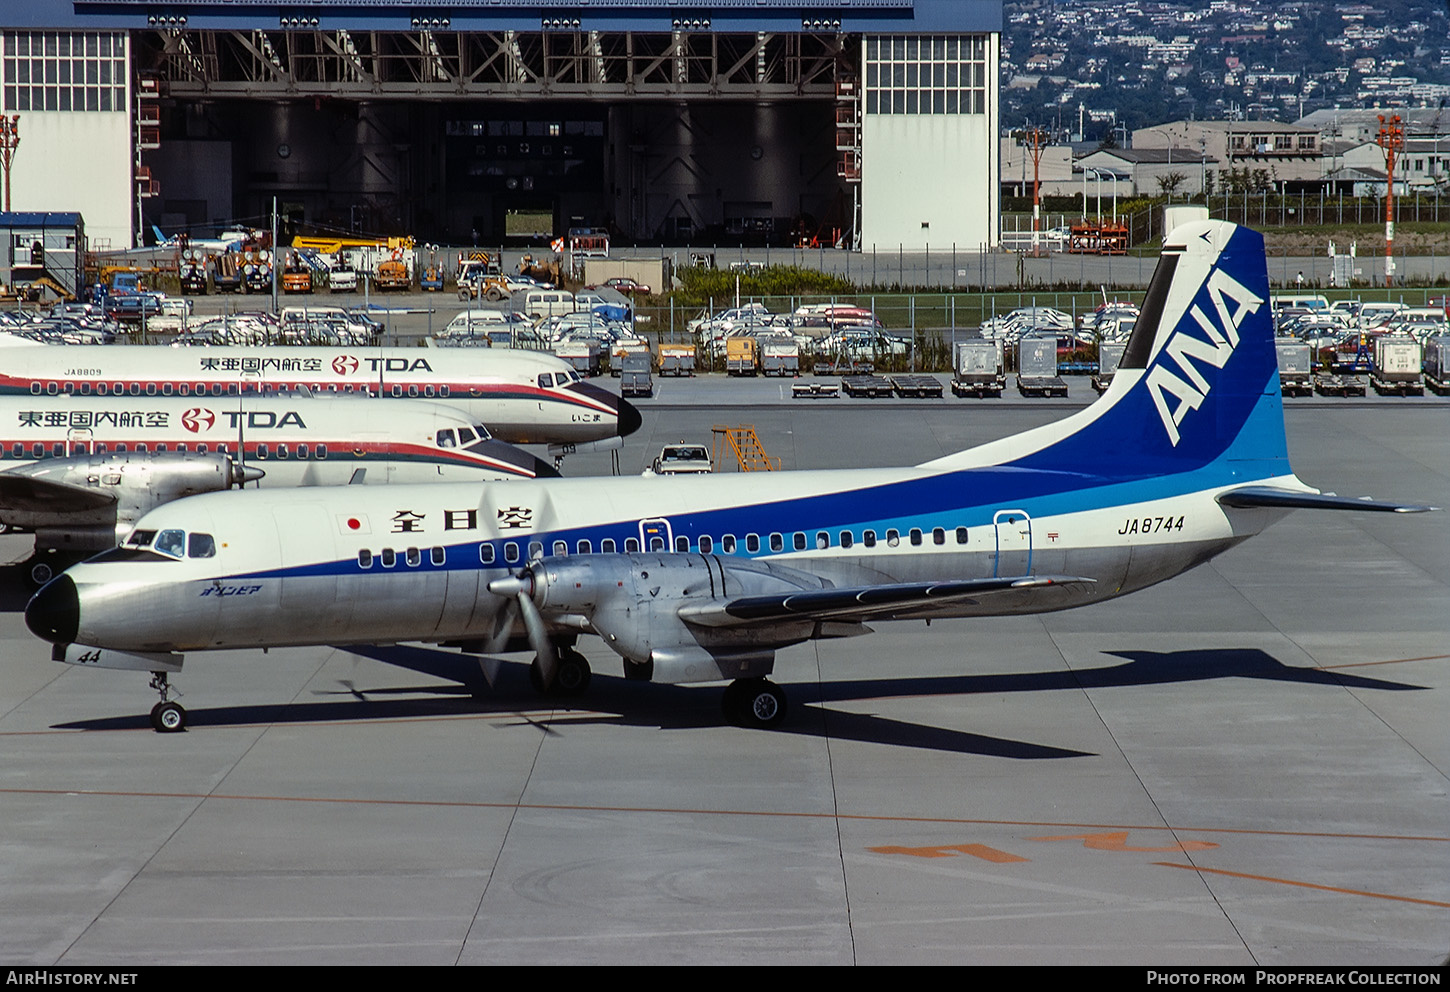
column 797, row 814
column 1393, row 661
column 1304, row 885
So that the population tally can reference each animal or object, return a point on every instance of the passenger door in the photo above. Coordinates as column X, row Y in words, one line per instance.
column 1014, row 543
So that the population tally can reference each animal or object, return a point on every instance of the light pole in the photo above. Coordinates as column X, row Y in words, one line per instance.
column 9, row 141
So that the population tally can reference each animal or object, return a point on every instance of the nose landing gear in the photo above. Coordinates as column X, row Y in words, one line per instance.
column 167, row 716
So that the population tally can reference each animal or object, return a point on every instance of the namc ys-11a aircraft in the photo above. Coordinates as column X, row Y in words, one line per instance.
column 80, row 471
column 523, row 397
column 703, row 578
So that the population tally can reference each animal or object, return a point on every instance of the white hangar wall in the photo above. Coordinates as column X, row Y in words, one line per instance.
column 71, row 91
column 929, row 148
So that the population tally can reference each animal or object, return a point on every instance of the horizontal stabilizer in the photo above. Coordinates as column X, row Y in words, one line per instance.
column 21, row 493
column 961, row 598
column 1287, row 499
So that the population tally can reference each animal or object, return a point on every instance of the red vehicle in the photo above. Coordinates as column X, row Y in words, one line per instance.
column 624, row 284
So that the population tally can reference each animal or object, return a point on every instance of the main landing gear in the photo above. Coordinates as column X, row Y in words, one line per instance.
column 758, row 703
column 167, row 716
column 571, row 675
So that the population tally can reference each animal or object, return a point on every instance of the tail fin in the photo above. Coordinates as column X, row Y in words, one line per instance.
column 1198, row 382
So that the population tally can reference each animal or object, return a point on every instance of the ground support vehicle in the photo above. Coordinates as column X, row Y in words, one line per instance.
column 226, row 272
column 342, row 278
column 192, row 269
column 1437, row 364
column 634, row 374
column 1296, row 377
column 392, row 275
column 682, row 459
column 1333, row 384
column 867, row 386
column 1109, row 355
column 481, row 285
column 920, row 386
column 677, row 359
column 780, row 358
column 846, row 368
column 1397, row 366
column 814, row 390
column 977, row 368
column 742, row 356
column 585, row 356
column 1037, row 367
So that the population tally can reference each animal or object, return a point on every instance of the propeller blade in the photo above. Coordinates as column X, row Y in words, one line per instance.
column 539, row 638
column 520, row 590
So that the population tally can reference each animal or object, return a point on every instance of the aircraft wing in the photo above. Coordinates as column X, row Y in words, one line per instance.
column 967, row 597
column 1289, row 499
column 28, row 494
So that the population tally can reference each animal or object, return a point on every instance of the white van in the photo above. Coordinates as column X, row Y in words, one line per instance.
column 540, row 303
column 1304, row 301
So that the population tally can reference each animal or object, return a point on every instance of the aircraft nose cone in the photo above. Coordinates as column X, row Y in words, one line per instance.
column 629, row 418
column 54, row 613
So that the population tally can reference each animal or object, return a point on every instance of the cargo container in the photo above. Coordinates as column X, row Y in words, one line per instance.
column 583, row 355
column 1110, row 354
column 1296, row 377
column 1397, row 366
column 977, row 368
column 1037, row 367
column 634, row 374
column 742, row 355
column 677, row 359
column 1437, row 364
column 780, row 357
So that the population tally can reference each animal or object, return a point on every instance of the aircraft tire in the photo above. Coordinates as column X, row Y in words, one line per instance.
column 168, row 718
column 572, row 678
column 755, row 703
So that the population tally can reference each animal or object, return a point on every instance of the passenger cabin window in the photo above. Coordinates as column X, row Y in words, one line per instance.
column 707, row 544
column 511, row 551
column 961, row 535
column 823, row 540
column 437, row 556
column 727, row 544
column 868, row 538
column 656, row 543
column 389, row 558
column 938, row 536
column 585, row 547
column 798, row 541
column 893, row 538
column 561, row 547
column 607, row 546
column 631, row 545
column 682, row 543
column 915, row 536
column 413, row 557
column 847, row 539
column 536, row 550
column 777, row 542
column 752, row 543
column 364, row 558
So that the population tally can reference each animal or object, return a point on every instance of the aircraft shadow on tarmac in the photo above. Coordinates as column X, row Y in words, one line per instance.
column 615, row 700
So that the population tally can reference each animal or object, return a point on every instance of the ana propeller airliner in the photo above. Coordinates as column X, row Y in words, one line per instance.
column 525, row 397
column 81, row 470
column 703, row 578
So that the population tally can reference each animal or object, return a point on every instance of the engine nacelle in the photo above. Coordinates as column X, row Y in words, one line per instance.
column 90, row 502
column 633, row 603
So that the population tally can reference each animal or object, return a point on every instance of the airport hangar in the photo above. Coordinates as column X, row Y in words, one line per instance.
column 868, row 123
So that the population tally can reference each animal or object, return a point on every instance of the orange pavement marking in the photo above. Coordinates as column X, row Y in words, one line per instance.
column 1118, row 841
column 952, row 850
column 1304, row 885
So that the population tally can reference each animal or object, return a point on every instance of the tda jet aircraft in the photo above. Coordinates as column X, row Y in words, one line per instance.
column 704, row 578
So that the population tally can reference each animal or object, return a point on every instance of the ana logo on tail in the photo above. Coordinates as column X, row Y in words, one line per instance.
column 1215, row 351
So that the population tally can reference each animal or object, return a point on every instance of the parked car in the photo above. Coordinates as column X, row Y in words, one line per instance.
column 624, row 284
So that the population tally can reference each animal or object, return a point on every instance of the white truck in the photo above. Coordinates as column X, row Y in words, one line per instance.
column 682, row 459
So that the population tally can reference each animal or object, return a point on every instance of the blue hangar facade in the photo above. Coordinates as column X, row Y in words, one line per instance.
column 848, row 123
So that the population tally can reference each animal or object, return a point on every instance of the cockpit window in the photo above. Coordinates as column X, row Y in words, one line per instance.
column 546, row 379
column 201, row 546
column 465, row 436
column 171, row 542
column 140, row 538
column 446, row 439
